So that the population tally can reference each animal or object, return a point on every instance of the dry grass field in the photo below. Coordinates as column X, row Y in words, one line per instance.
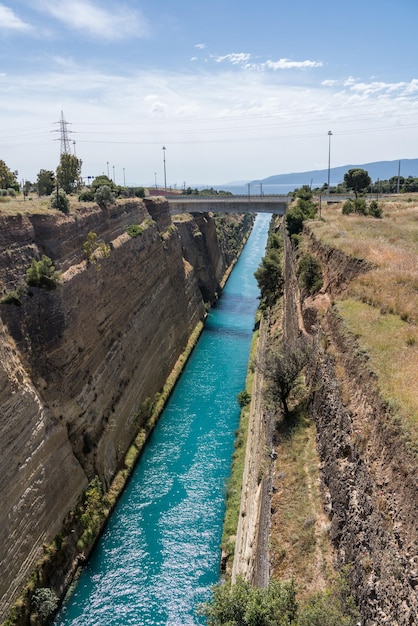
column 31, row 204
column 381, row 306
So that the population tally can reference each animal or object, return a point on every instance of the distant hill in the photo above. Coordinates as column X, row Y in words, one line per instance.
column 382, row 170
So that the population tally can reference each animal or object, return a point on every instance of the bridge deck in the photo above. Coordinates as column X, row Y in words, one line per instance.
column 229, row 204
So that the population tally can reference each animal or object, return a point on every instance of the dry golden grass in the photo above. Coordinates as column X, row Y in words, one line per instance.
column 32, row 204
column 381, row 306
column 299, row 540
column 392, row 346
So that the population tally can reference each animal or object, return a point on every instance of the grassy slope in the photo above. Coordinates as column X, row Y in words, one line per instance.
column 380, row 307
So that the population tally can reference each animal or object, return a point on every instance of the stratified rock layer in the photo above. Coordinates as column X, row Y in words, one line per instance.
column 77, row 362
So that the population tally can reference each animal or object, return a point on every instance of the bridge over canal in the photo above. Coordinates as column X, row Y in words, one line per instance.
column 229, row 204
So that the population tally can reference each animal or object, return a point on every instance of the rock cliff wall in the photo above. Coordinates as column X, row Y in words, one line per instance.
column 369, row 485
column 77, row 362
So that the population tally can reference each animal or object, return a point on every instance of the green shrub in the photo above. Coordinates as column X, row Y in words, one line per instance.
column 91, row 245
column 60, row 201
column 12, row 297
column 95, row 507
column 242, row 605
column 374, row 209
column 348, row 207
column 360, row 206
column 45, row 601
column 244, row 398
column 269, row 277
column 11, row 192
column 134, row 230
column 43, row 274
column 309, row 273
column 86, row 196
column 333, row 607
column 104, row 196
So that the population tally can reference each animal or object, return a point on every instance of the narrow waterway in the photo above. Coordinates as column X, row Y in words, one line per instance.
column 160, row 553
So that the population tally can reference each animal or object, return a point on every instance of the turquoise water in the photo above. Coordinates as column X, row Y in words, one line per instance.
column 160, row 553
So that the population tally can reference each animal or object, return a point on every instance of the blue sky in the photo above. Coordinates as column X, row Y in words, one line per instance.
column 233, row 90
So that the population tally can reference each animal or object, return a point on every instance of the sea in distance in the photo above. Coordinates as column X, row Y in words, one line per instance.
column 257, row 189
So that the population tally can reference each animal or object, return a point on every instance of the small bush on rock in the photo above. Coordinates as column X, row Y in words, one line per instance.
column 43, row 274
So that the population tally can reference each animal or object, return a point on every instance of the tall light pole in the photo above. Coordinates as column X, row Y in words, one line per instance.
column 329, row 157
column 107, row 163
column 165, row 176
column 124, row 180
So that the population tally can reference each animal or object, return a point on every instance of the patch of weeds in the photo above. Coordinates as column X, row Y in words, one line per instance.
column 134, row 230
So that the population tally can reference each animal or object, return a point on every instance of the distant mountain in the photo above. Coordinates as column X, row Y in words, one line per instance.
column 382, row 170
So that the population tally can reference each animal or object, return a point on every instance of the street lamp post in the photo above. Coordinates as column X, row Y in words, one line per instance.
column 165, row 176
column 124, row 179
column 329, row 158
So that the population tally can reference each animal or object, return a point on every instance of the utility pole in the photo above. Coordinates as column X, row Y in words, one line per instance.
column 399, row 177
column 329, row 158
column 165, row 175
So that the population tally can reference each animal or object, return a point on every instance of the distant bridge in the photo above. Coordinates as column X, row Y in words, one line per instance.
column 229, row 204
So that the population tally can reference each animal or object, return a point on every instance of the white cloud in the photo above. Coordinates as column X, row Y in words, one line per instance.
column 287, row 64
column 209, row 121
column 115, row 23
column 10, row 21
column 201, row 46
column 235, row 58
column 243, row 59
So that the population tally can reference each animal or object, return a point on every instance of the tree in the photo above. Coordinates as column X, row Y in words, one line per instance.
column 60, row 201
column 104, row 196
column 303, row 210
column 358, row 180
column 8, row 179
column 282, row 368
column 304, row 192
column 309, row 273
column 101, row 180
column 27, row 185
column 69, row 173
column 45, row 182
column 45, row 602
column 269, row 277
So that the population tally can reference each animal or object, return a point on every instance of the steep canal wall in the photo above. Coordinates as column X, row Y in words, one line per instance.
column 80, row 364
column 368, row 476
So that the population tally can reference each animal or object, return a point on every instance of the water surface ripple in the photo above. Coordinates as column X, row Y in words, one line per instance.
column 159, row 554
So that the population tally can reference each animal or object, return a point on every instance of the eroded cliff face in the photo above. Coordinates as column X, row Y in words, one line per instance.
column 77, row 362
column 369, row 478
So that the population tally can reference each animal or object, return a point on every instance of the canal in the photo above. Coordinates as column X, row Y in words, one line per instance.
column 159, row 554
